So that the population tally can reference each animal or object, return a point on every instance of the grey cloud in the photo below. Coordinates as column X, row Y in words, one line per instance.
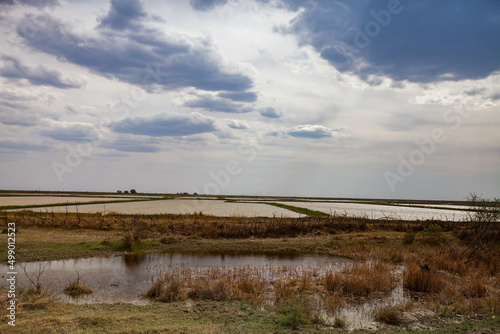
column 40, row 75
column 270, row 112
column 165, row 125
column 70, row 131
column 216, row 104
column 132, row 144
column 495, row 97
column 17, row 118
column 22, row 146
column 123, row 14
column 141, row 56
column 401, row 45
column 315, row 132
column 205, row 5
column 239, row 96
column 237, row 124
column 475, row 91
column 33, row 3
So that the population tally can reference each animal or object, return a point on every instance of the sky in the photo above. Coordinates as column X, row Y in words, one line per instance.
column 363, row 99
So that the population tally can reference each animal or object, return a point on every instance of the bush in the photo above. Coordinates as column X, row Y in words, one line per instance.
column 433, row 235
column 409, row 237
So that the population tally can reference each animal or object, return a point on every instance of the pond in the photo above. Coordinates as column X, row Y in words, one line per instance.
column 126, row 278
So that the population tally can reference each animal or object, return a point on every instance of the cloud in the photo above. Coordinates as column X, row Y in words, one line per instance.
column 475, row 91
column 135, row 144
column 216, row 104
column 270, row 112
column 33, row 3
column 143, row 56
column 16, row 117
column 165, row 125
column 123, row 14
column 40, row 75
column 237, row 124
column 22, row 146
column 69, row 131
column 239, row 96
column 376, row 38
column 315, row 132
column 205, row 5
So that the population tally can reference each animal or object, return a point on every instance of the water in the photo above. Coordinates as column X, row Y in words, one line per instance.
column 47, row 200
column 183, row 206
column 126, row 278
column 374, row 211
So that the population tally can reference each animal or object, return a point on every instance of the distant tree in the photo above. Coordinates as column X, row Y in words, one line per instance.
column 125, row 192
column 119, row 191
column 132, row 191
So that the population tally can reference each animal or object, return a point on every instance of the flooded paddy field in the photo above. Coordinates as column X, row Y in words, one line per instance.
column 49, row 200
column 183, row 206
column 374, row 211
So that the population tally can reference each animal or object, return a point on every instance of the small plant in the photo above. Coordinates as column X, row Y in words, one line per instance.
column 409, row 237
column 339, row 323
column 291, row 314
column 389, row 315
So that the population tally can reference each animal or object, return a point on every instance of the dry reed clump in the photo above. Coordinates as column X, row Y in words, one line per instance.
column 423, row 279
column 284, row 289
column 167, row 288
column 76, row 288
column 361, row 279
column 208, row 289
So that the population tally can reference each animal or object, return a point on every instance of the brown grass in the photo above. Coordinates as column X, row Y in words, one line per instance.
column 361, row 279
column 418, row 280
column 167, row 287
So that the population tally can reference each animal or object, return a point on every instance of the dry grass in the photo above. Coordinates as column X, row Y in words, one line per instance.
column 418, row 280
column 361, row 279
column 167, row 287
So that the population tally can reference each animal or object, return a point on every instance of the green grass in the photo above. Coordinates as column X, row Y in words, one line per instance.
column 297, row 209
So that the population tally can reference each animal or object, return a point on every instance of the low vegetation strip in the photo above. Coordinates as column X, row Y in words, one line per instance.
column 304, row 211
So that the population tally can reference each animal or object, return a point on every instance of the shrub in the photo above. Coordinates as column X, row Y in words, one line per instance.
column 433, row 235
